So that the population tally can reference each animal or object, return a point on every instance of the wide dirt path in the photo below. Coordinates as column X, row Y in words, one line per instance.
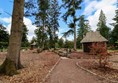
column 67, row 72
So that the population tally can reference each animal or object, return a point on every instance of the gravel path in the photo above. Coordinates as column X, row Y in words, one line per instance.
column 67, row 72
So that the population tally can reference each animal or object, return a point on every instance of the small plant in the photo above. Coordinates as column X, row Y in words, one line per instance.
column 100, row 50
column 39, row 50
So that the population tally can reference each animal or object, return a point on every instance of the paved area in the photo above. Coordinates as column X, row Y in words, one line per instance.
column 67, row 72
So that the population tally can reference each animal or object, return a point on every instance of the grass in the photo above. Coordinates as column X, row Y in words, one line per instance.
column 3, row 50
column 113, row 50
column 79, row 50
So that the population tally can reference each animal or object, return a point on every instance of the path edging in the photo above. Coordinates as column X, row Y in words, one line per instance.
column 77, row 64
column 49, row 72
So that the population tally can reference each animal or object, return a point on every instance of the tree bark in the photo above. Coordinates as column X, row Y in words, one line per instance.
column 75, row 39
column 12, row 61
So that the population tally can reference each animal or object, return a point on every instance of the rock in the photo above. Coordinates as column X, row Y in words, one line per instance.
column 63, row 54
column 39, row 50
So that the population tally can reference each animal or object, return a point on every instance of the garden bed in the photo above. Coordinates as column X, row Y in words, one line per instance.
column 93, row 66
column 36, row 67
column 81, row 55
column 90, row 62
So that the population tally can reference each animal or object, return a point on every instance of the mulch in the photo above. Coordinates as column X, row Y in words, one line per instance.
column 90, row 62
column 36, row 66
column 107, row 72
column 81, row 55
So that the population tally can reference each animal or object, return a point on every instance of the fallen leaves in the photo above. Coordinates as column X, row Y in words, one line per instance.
column 36, row 67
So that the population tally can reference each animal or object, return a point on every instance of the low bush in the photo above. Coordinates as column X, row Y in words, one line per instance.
column 101, row 51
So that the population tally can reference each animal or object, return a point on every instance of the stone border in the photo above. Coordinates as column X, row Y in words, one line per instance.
column 49, row 72
column 112, row 81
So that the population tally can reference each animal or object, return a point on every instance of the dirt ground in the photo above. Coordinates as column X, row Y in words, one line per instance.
column 36, row 67
column 91, row 62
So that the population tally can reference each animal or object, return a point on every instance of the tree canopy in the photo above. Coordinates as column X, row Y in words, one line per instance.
column 102, row 27
column 84, row 27
column 4, row 37
column 72, row 6
column 114, row 33
column 25, row 42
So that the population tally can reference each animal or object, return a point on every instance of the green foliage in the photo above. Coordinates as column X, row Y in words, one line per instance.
column 84, row 28
column 30, row 6
column 72, row 6
column 114, row 33
column 42, row 13
column 4, row 37
column 53, row 22
column 47, row 23
column 33, row 40
column 104, row 30
column 3, row 45
column 68, row 33
column 41, row 17
column 71, row 25
column 25, row 42
column 61, row 43
column 102, row 27
column 68, row 44
column 41, row 37
column 79, row 45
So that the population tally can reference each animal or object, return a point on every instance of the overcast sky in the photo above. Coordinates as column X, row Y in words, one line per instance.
column 90, row 8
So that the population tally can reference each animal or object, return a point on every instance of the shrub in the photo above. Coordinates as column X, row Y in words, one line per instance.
column 101, row 51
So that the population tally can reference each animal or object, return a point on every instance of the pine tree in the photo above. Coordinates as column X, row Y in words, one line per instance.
column 41, row 22
column 84, row 27
column 4, row 37
column 25, row 42
column 61, row 43
column 53, row 22
column 102, row 27
column 114, row 33
column 72, row 6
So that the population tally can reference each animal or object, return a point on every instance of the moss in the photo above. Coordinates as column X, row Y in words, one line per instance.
column 8, row 68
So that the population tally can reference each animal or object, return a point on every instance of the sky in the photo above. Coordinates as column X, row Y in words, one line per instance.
column 90, row 8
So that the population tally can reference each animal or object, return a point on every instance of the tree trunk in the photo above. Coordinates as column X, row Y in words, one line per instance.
column 43, row 30
column 19, row 62
column 54, row 39
column 75, row 38
column 12, row 61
